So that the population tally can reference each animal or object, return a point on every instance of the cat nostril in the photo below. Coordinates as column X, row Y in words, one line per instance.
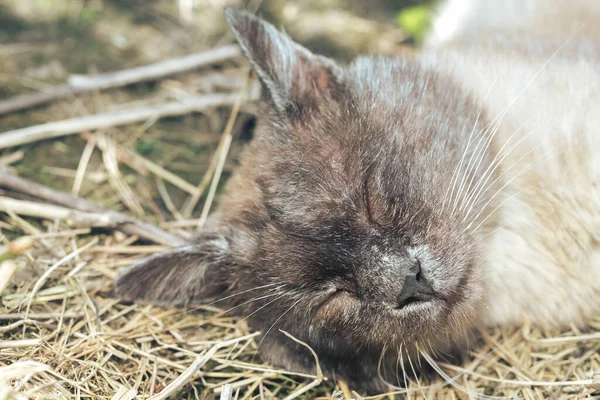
column 408, row 301
column 415, row 289
column 418, row 276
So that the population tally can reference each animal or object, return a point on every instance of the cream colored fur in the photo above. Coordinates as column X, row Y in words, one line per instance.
column 542, row 242
column 472, row 20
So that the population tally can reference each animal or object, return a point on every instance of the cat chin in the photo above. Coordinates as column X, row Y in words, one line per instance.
column 295, row 358
column 366, row 372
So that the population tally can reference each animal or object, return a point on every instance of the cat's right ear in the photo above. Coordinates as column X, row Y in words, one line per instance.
column 180, row 276
column 292, row 76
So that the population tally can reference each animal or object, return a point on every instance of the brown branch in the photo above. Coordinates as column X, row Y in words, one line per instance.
column 77, row 219
column 80, row 84
column 133, row 227
column 120, row 117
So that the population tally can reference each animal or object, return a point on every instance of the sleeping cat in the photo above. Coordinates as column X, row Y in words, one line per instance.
column 392, row 205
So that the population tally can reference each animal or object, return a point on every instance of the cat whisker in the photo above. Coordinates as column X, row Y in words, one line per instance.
column 509, row 107
column 454, row 179
column 406, row 380
column 281, row 296
column 278, row 319
column 380, row 362
column 525, row 169
column 494, row 164
column 467, row 172
column 488, row 131
column 398, row 365
column 506, row 170
column 480, row 239
column 452, row 381
column 487, row 138
column 245, row 291
column 226, row 298
column 497, row 208
column 415, row 375
column 241, row 305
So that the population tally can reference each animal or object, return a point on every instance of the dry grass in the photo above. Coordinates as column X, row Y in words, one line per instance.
column 65, row 336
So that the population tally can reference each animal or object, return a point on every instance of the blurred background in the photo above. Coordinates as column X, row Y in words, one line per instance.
column 44, row 42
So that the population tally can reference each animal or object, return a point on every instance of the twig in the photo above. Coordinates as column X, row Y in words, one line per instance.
column 77, row 219
column 42, row 279
column 83, row 162
column 303, row 390
column 186, row 375
column 154, row 71
column 8, row 269
column 40, row 316
column 12, row 344
column 227, row 392
column 65, row 127
column 115, row 177
column 319, row 372
column 80, row 84
column 580, row 382
column 224, row 141
column 164, row 193
column 21, row 368
column 12, row 158
column 124, row 394
column 33, row 99
column 135, row 227
column 254, row 380
column 224, row 150
column 140, row 163
column 11, row 181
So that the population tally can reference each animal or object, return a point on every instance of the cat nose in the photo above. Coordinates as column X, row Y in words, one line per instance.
column 415, row 289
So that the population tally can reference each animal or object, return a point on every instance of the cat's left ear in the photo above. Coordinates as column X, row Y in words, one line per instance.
column 291, row 76
column 180, row 276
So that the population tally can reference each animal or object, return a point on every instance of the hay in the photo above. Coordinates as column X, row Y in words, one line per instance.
column 65, row 336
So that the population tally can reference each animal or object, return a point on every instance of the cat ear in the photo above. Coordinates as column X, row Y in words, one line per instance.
column 180, row 276
column 292, row 75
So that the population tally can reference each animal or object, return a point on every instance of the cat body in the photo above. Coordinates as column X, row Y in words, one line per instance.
column 484, row 20
column 540, row 244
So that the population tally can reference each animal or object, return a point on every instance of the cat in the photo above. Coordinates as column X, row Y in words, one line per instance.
column 392, row 205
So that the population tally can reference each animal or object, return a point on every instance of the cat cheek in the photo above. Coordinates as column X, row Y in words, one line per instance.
column 337, row 309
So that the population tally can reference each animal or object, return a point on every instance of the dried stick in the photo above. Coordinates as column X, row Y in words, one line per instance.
column 120, row 117
column 38, row 316
column 227, row 392
column 12, row 158
column 141, row 164
column 134, row 227
column 182, row 379
column 198, row 363
column 223, row 151
column 79, row 84
column 8, row 269
column 74, row 218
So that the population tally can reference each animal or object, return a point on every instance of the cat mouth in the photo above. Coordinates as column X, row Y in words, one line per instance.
column 338, row 300
column 412, row 306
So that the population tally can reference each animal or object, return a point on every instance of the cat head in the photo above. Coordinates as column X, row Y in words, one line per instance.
column 340, row 225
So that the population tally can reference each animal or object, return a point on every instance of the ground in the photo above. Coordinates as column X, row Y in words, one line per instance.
column 63, row 333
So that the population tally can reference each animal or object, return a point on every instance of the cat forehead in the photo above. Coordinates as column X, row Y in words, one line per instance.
column 388, row 79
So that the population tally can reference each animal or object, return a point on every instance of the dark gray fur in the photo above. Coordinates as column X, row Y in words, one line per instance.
column 337, row 197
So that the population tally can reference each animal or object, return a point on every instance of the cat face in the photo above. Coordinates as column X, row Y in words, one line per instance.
column 341, row 225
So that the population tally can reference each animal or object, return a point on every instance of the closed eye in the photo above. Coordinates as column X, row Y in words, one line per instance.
column 366, row 195
column 338, row 296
